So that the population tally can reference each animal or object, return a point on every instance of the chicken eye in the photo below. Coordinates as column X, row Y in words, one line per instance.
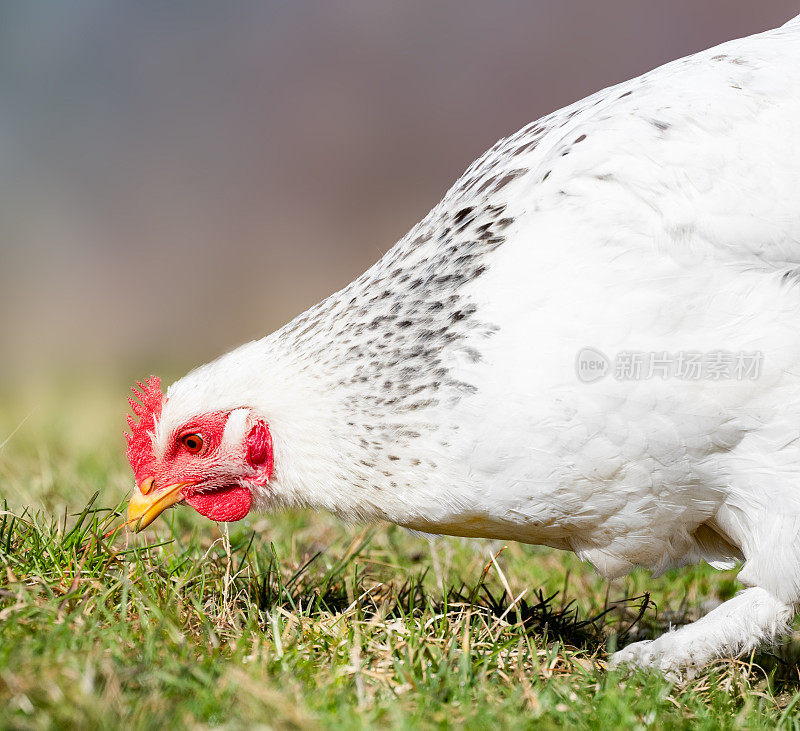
column 192, row 442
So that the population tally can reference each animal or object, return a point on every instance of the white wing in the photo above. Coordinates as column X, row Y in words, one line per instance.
column 710, row 144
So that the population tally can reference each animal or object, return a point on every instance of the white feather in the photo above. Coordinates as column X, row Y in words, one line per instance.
column 658, row 215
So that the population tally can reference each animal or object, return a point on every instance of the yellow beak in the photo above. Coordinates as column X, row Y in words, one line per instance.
column 147, row 504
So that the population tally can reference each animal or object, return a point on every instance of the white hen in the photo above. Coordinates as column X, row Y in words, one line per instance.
column 592, row 343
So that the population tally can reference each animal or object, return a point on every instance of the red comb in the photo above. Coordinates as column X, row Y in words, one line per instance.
column 140, row 448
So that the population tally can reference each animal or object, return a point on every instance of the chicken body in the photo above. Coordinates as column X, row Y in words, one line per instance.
column 441, row 390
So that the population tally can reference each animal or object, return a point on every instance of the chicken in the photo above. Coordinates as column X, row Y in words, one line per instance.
column 590, row 343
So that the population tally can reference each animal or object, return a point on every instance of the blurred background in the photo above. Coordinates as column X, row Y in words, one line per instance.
column 178, row 178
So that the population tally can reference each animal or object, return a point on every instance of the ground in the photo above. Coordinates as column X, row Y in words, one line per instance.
column 296, row 620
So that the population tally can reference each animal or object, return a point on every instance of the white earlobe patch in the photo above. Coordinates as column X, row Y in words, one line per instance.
column 235, row 428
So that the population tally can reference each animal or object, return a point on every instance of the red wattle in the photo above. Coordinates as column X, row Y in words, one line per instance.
column 224, row 505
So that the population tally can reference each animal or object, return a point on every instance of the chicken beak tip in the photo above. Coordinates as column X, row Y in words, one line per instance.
column 146, row 503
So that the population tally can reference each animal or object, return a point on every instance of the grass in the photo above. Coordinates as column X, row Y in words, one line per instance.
column 295, row 620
